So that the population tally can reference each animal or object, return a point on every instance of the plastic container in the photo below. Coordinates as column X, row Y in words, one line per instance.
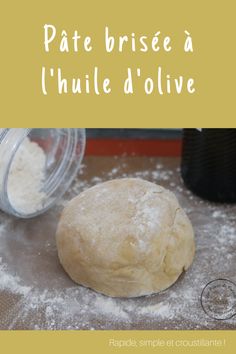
column 208, row 165
column 63, row 149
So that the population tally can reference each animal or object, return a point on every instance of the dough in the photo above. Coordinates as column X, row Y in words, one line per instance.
column 125, row 237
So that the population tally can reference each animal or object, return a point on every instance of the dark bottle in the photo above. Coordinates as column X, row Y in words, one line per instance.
column 208, row 165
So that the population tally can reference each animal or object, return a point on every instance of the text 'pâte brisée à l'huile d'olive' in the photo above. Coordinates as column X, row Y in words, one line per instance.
column 133, row 78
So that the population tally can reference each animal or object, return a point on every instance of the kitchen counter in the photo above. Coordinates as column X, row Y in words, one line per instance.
column 35, row 292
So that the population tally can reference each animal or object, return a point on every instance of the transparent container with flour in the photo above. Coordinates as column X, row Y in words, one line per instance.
column 37, row 166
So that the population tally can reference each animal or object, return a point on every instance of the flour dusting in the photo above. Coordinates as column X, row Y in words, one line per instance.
column 35, row 293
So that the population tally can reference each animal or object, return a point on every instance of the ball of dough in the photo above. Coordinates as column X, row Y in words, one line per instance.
column 125, row 238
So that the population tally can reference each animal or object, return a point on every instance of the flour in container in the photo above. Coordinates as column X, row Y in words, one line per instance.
column 26, row 178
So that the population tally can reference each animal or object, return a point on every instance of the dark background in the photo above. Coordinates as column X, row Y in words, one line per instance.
column 134, row 133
